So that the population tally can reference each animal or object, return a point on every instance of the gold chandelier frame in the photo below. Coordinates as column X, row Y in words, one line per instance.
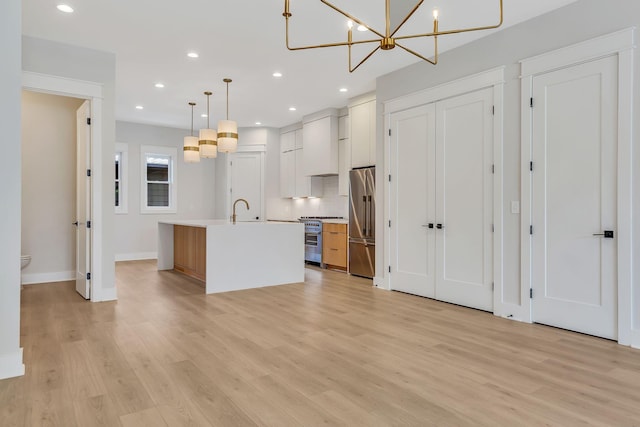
column 385, row 41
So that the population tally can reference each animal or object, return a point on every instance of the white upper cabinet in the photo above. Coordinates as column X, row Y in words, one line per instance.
column 320, row 141
column 344, row 156
column 293, row 181
column 362, row 115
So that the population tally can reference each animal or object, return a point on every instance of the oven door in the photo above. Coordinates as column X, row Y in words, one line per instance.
column 313, row 246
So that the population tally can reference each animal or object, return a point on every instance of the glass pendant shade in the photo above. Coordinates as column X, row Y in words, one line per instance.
column 191, row 149
column 227, row 136
column 208, row 143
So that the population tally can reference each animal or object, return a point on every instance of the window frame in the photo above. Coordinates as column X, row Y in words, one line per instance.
column 123, row 178
column 172, row 153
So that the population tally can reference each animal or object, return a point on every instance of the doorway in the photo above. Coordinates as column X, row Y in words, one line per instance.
column 577, row 175
column 92, row 93
column 441, row 195
column 574, row 198
column 49, row 192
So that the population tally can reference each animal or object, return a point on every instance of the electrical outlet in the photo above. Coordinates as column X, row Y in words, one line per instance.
column 515, row 207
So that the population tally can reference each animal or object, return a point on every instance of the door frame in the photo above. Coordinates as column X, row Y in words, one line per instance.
column 494, row 79
column 92, row 92
column 251, row 149
column 621, row 45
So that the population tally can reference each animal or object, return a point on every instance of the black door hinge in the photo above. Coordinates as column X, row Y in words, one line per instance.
column 389, row 132
column 531, row 102
column 389, row 223
column 530, row 293
column 531, row 229
column 88, row 276
column 389, row 178
column 389, row 269
column 493, row 110
column 88, row 172
column 89, row 121
column 531, row 166
column 88, row 224
column 493, row 228
column 493, row 168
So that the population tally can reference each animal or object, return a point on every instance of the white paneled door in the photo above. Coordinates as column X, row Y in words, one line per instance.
column 83, row 200
column 246, row 182
column 412, row 200
column 441, row 200
column 574, row 198
column 464, row 200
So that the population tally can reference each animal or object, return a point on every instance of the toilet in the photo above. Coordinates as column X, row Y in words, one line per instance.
column 24, row 261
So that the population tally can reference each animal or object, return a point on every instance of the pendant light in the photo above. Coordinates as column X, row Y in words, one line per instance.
column 191, row 147
column 208, row 137
column 227, row 130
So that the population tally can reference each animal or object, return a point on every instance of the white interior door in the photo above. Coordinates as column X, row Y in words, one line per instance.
column 464, row 200
column 246, row 182
column 83, row 200
column 412, row 200
column 574, row 198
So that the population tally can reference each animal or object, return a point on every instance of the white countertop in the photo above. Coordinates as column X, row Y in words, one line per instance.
column 335, row 221
column 222, row 222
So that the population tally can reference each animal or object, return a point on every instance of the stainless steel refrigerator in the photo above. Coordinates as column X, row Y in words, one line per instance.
column 362, row 224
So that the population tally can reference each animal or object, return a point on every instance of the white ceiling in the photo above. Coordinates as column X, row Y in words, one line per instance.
column 244, row 40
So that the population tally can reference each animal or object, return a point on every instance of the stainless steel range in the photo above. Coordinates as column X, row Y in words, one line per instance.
column 313, row 237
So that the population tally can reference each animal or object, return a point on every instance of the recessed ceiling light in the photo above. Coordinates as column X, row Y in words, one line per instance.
column 193, row 55
column 292, row 108
column 159, row 85
column 258, row 123
column 139, row 107
column 277, row 74
column 343, row 89
column 65, row 8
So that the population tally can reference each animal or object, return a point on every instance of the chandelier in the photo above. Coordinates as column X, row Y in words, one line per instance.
column 394, row 19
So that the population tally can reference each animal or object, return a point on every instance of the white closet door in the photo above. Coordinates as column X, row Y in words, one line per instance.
column 574, row 198
column 464, row 200
column 412, row 164
column 246, row 182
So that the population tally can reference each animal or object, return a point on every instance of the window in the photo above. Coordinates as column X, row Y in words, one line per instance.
column 158, row 179
column 121, row 178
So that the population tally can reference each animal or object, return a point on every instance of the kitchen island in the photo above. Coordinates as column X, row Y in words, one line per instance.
column 236, row 256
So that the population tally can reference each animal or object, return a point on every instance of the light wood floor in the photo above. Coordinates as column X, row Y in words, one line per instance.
column 331, row 351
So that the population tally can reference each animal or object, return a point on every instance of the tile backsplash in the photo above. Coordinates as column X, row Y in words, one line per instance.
column 330, row 204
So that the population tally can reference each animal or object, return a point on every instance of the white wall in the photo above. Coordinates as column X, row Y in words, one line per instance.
column 10, row 84
column 136, row 233
column 48, row 186
column 572, row 24
column 57, row 59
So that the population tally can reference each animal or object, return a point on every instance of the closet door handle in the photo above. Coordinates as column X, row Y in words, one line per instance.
column 439, row 226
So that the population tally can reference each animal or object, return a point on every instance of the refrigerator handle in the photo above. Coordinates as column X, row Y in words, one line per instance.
column 364, row 225
column 370, row 215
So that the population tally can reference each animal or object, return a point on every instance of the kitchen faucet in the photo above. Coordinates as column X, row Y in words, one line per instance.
column 233, row 216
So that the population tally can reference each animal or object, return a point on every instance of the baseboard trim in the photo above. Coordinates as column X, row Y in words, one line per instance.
column 60, row 276
column 110, row 294
column 635, row 338
column 138, row 256
column 11, row 365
